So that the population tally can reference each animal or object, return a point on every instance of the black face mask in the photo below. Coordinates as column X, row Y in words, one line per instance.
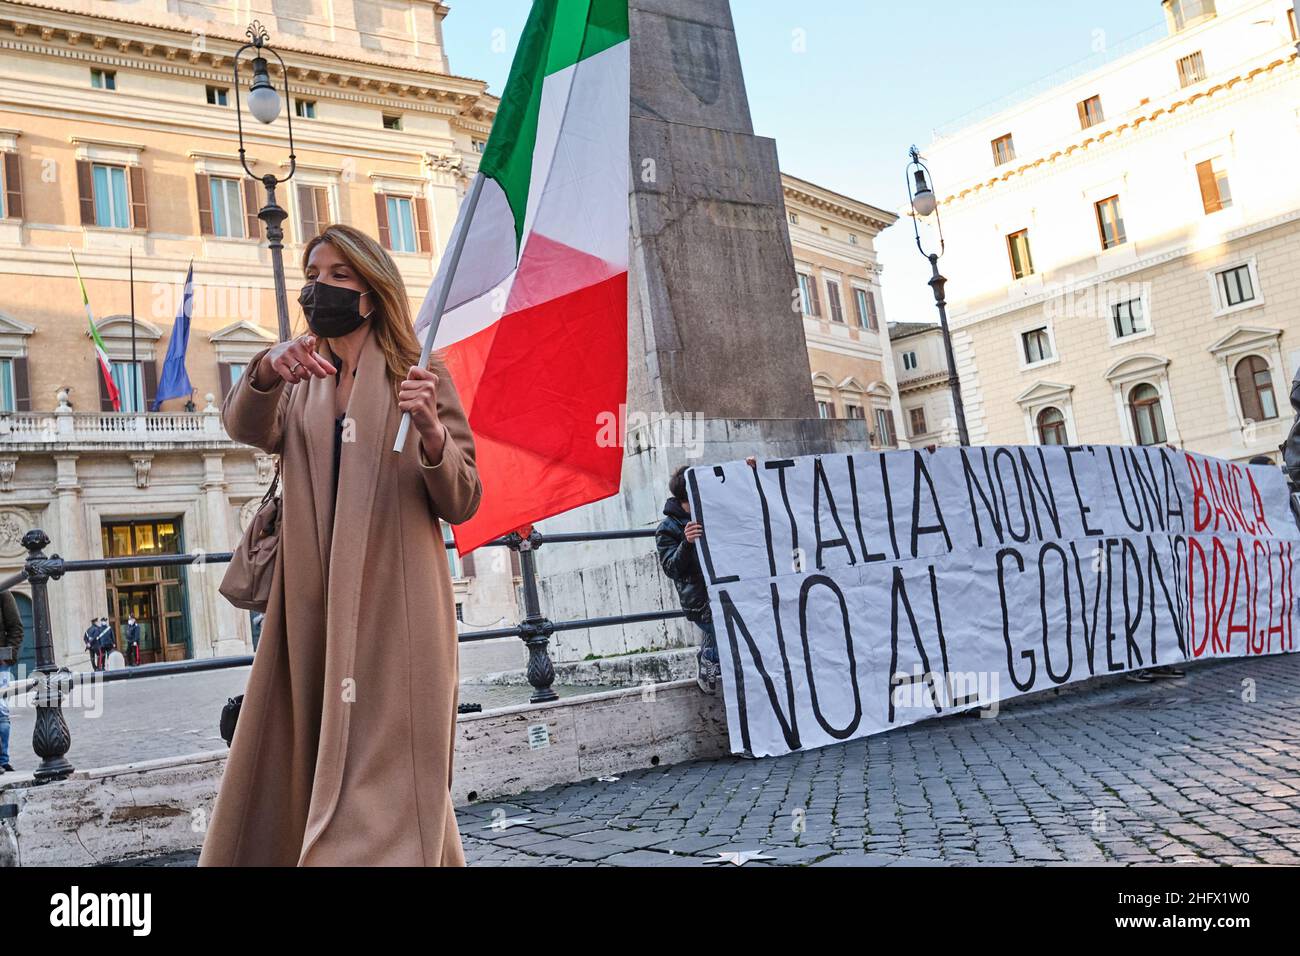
column 332, row 311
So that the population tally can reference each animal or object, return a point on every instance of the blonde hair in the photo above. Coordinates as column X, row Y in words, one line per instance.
column 391, row 317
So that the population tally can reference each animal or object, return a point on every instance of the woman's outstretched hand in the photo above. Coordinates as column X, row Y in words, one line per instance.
column 419, row 396
column 296, row 360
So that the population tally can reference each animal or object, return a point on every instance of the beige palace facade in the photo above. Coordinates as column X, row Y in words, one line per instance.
column 921, row 370
column 1123, row 249
column 118, row 141
column 833, row 239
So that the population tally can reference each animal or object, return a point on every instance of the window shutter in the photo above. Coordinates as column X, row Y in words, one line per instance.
column 105, row 402
column 308, row 224
column 515, row 568
column 22, row 385
column 149, row 379
column 204, row 188
column 381, row 213
column 13, row 187
column 816, row 296
column 1083, row 114
column 321, row 198
column 1245, row 375
column 252, row 225
column 223, row 373
column 86, row 192
column 833, row 297
column 139, row 203
column 422, row 223
column 873, row 321
column 1209, row 186
column 467, row 566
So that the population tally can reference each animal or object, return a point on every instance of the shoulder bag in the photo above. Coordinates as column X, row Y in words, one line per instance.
column 247, row 582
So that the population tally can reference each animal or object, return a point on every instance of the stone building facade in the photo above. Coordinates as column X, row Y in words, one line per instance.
column 1123, row 248
column 921, row 369
column 833, row 239
column 118, row 140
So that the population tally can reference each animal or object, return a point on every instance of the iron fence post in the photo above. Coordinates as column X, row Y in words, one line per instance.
column 535, row 629
column 51, row 738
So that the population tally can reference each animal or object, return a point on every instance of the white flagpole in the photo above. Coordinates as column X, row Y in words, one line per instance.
column 439, row 306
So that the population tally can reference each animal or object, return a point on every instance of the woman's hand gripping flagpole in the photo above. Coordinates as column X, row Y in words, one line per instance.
column 444, row 290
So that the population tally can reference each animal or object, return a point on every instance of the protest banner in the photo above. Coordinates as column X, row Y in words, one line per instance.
column 856, row 593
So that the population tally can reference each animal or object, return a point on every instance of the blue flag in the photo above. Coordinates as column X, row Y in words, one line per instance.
column 175, row 381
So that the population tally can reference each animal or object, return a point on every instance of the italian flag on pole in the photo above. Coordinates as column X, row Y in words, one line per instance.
column 104, row 366
column 534, row 330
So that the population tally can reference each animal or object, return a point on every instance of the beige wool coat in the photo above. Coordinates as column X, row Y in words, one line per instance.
column 343, row 750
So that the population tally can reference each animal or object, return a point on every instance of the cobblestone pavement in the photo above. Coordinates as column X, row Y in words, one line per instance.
column 1179, row 771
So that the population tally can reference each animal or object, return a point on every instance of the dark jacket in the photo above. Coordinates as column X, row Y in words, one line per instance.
column 681, row 561
column 107, row 640
column 11, row 628
column 132, row 633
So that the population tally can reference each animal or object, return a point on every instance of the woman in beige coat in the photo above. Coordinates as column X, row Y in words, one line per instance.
column 343, row 750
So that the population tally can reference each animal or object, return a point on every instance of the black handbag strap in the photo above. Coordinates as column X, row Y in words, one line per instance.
column 275, row 484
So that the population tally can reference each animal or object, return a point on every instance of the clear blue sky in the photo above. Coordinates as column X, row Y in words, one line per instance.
column 872, row 77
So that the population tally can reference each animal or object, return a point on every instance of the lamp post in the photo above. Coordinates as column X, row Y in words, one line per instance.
column 265, row 103
column 924, row 205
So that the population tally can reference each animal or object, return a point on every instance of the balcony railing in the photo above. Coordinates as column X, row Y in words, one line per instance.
column 66, row 426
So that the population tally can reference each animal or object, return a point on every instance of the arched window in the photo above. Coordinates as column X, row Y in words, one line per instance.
column 1051, row 427
column 1255, row 388
column 1148, row 416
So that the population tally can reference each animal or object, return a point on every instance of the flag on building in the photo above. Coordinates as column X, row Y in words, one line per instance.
column 535, row 328
column 101, row 353
column 175, row 380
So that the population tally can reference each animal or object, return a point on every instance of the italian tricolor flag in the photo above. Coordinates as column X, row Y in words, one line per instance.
column 535, row 328
column 105, row 367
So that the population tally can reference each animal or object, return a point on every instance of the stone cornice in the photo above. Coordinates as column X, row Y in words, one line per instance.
column 1099, row 135
column 140, row 113
column 842, row 207
column 861, row 257
column 98, row 141
column 923, row 383
column 963, row 320
column 117, row 41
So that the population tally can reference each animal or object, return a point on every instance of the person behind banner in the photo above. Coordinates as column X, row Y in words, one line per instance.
column 342, row 753
column 675, row 541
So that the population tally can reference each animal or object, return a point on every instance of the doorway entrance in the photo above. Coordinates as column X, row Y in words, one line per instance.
column 157, row 597
column 142, row 604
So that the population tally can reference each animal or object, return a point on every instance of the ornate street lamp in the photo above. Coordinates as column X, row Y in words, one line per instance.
column 924, row 205
column 264, row 102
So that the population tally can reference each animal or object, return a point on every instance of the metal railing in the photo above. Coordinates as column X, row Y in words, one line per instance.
column 51, row 737
column 64, row 425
